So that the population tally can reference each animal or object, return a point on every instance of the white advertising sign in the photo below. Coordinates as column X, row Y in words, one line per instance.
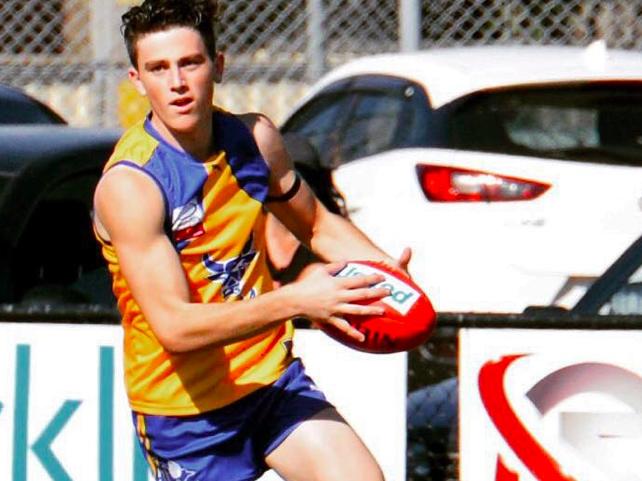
column 550, row 405
column 64, row 414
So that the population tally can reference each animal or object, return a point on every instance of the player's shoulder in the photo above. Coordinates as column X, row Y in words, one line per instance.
column 256, row 119
column 264, row 132
column 133, row 150
column 261, row 126
column 126, row 198
column 123, row 183
column 135, row 146
column 238, row 125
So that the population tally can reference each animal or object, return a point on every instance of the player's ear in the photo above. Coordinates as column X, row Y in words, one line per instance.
column 134, row 77
column 219, row 66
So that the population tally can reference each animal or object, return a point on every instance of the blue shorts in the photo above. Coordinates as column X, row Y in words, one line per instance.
column 230, row 443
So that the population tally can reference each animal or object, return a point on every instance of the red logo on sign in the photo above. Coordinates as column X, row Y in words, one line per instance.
column 528, row 450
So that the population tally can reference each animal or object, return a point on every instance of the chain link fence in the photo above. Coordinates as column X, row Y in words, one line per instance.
column 69, row 53
column 432, row 421
column 570, row 22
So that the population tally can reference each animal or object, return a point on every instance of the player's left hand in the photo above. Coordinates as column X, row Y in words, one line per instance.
column 402, row 262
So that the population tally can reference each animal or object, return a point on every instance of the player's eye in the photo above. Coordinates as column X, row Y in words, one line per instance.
column 156, row 67
column 192, row 62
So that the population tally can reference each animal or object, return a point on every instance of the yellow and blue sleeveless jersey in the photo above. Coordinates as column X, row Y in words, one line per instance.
column 215, row 219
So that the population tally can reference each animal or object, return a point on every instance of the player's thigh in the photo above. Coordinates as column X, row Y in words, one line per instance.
column 324, row 448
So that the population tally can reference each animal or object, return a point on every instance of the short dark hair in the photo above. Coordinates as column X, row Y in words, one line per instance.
column 158, row 15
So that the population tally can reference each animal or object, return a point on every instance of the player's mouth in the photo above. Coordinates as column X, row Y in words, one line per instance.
column 183, row 104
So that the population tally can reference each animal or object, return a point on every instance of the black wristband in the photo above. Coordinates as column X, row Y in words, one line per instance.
column 292, row 191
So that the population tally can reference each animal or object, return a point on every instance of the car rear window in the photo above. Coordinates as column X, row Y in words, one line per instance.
column 599, row 123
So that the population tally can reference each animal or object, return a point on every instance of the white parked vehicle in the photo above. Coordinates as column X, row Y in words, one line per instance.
column 514, row 173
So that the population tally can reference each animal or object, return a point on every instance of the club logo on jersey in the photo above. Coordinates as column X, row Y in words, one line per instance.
column 230, row 273
column 172, row 471
column 187, row 222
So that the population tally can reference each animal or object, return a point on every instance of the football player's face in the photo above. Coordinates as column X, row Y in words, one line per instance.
column 176, row 73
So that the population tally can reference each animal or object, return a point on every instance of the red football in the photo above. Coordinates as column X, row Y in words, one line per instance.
column 407, row 322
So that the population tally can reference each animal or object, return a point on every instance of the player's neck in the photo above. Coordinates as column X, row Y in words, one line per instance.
column 196, row 142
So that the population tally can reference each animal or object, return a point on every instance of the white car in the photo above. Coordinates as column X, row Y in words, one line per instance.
column 514, row 173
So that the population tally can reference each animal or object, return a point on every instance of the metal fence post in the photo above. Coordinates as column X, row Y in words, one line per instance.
column 315, row 50
column 409, row 25
column 103, row 42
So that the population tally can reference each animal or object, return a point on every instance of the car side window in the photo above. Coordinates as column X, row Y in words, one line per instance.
column 57, row 259
column 319, row 122
column 392, row 115
column 628, row 299
column 362, row 116
column 372, row 126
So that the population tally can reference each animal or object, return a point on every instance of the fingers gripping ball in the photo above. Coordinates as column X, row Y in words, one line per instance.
column 407, row 322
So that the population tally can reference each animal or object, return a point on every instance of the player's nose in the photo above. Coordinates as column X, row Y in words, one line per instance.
column 176, row 78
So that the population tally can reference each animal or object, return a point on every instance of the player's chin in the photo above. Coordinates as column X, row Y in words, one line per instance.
column 184, row 123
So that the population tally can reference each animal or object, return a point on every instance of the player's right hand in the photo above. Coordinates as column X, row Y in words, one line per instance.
column 324, row 298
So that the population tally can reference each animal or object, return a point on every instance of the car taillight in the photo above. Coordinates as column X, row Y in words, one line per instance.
column 452, row 184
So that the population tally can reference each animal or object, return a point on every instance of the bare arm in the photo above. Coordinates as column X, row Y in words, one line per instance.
column 330, row 236
column 130, row 212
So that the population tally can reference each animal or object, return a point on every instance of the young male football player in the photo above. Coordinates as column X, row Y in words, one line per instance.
column 215, row 391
